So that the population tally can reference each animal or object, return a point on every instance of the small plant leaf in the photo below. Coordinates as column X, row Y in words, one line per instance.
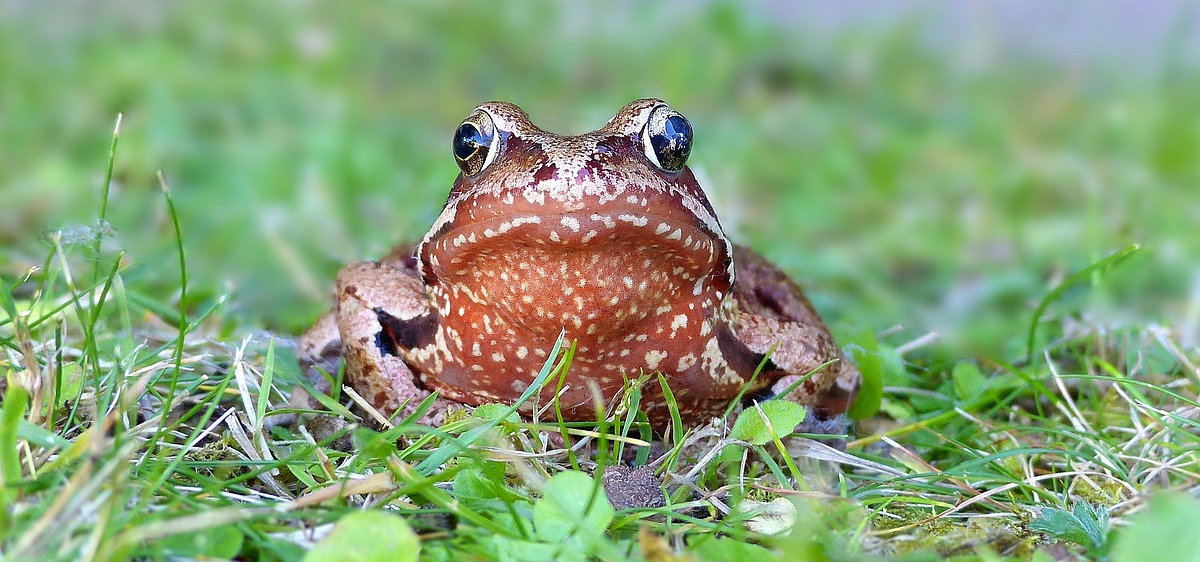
column 1085, row 525
column 1165, row 532
column 572, row 506
column 752, row 428
column 769, row 518
column 222, row 543
column 506, row 548
column 367, row 536
column 864, row 348
column 969, row 383
column 724, row 549
column 496, row 412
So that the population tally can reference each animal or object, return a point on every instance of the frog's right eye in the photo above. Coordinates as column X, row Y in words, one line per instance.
column 667, row 139
column 475, row 143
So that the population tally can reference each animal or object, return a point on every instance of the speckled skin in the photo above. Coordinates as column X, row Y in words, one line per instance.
column 582, row 234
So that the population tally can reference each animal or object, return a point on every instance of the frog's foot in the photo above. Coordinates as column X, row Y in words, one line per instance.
column 370, row 294
column 772, row 312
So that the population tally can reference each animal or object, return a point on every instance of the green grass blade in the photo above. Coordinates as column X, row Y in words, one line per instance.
column 1089, row 273
column 16, row 400
column 40, row 436
column 445, row 453
column 264, row 387
column 108, row 174
column 168, row 402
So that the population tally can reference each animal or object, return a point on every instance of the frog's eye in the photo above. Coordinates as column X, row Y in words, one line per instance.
column 475, row 143
column 667, row 139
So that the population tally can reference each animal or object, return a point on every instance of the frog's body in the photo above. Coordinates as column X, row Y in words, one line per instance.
column 606, row 237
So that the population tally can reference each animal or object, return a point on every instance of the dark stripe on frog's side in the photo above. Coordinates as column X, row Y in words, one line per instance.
column 740, row 358
column 397, row 334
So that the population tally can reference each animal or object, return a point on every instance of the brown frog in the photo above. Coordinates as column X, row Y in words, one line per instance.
column 606, row 237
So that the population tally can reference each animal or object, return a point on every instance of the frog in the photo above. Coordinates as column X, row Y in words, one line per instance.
column 605, row 240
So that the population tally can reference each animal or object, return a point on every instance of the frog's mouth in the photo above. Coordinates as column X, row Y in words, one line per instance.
column 578, row 230
column 583, row 241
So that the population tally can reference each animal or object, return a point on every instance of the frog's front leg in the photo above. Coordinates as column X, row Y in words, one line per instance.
column 771, row 311
column 375, row 300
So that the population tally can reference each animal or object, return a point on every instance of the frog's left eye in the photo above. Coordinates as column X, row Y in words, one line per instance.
column 475, row 143
column 667, row 139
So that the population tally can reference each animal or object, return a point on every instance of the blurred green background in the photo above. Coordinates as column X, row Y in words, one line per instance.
column 934, row 165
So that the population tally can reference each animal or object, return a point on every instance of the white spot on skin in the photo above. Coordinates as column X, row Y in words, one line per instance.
column 677, row 235
column 653, row 357
column 686, row 362
column 498, row 357
column 633, row 219
column 571, row 223
column 554, row 236
column 607, row 220
column 713, row 362
column 522, row 352
column 662, row 228
column 535, row 196
column 475, row 351
column 680, row 321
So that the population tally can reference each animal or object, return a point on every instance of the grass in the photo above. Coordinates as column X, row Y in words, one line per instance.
column 1008, row 248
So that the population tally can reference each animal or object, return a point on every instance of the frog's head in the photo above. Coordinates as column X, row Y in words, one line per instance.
column 624, row 189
